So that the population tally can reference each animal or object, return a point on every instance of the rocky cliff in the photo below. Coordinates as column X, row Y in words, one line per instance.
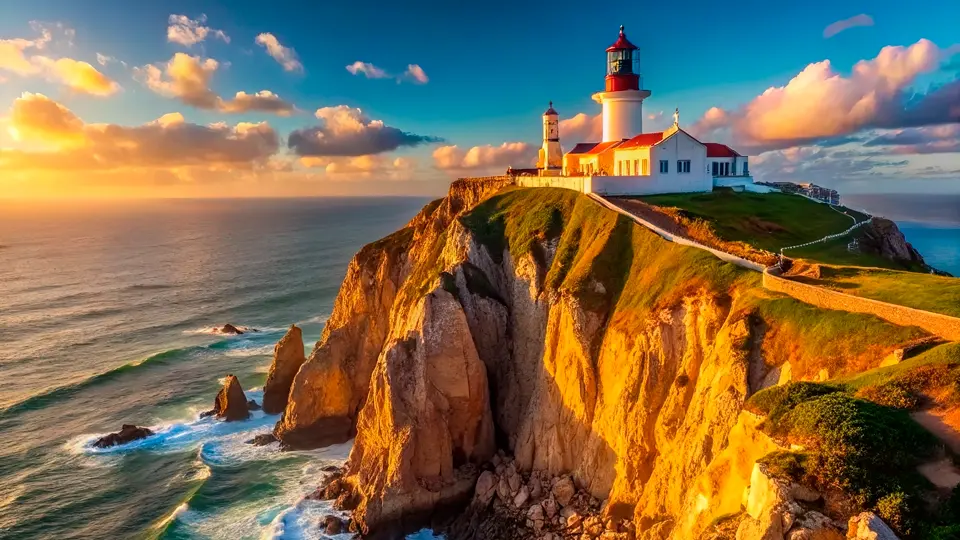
column 540, row 324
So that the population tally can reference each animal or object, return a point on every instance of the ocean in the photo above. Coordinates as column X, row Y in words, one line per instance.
column 106, row 318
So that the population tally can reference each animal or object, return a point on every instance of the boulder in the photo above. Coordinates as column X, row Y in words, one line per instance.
column 231, row 403
column 288, row 356
column 486, row 488
column 127, row 433
column 869, row 526
column 263, row 439
column 230, row 330
column 332, row 525
column 253, row 406
column 564, row 490
column 814, row 526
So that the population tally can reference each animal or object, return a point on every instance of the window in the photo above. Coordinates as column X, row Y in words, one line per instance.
column 645, row 170
column 716, row 169
column 664, row 166
column 620, row 168
column 726, row 169
column 746, row 169
column 636, row 167
column 683, row 165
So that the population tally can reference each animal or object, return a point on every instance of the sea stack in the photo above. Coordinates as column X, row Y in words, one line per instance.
column 231, row 403
column 288, row 356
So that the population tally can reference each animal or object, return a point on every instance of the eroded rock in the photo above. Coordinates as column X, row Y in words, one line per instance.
column 288, row 356
column 128, row 433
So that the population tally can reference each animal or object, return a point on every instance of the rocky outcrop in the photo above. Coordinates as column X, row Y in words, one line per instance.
column 128, row 433
column 598, row 355
column 774, row 513
column 426, row 423
column 868, row 526
column 230, row 330
column 230, row 403
column 288, row 356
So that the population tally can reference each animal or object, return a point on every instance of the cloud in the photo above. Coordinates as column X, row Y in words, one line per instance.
column 835, row 28
column 508, row 154
column 367, row 69
column 286, row 56
column 189, row 32
column 76, row 75
column 819, row 103
column 822, row 166
column 359, row 167
column 414, row 72
column 70, row 144
column 581, row 128
column 923, row 140
column 187, row 79
column 346, row 131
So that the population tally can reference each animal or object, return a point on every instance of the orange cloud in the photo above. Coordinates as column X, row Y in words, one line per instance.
column 362, row 167
column 187, row 79
column 819, row 102
column 188, row 32
column 77, row 75
column 508, row 154
column 168, row 142
column 581, row 128
column 286, row 56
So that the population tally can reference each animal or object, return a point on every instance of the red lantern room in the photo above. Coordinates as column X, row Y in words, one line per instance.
column 623, row 65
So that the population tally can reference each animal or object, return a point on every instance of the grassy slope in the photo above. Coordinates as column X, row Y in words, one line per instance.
column 922, row 291
column 640, row 273
column 771, row 221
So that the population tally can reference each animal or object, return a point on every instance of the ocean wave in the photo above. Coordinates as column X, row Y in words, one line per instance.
column 242, row 352
column 216, row 331
column 319, row 319
column 58, row 393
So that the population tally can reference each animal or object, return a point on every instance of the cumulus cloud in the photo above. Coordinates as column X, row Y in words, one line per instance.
column 820, row 165
column 187, row 79
column 70, row 144
column 820, row 103
column 367, row 69
column 581, row 128
column 189, row 32
column 18, row 56
column 286, row 56
column 414, row 72
column 508, row 154
column 346, row 131
column 835, row 28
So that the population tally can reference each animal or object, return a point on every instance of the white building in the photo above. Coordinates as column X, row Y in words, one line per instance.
column 628, row 161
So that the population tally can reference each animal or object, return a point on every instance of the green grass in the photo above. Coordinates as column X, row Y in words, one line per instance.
column 912, row 289
column 768, row 221
column 944, row 355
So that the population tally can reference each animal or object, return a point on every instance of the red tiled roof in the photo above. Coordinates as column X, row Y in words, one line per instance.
column 643, row 140
column 583, row 148
column 622, row 43
column 601, row 147
column 720, row 150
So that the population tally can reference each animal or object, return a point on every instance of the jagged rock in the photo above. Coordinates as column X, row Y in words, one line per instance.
column 128, row 433
column 486, row 488
column 231, row 403
column 253, row 406
column 288, row 356
column 549, row 507
column 331, row 469
column 332, row 525
column 230, row 330
column 427, row 414
column 869, row 526
column 882, row 237
column 503, row 490
column 564, row 490
column 521, row 497
column 572, row 522
column 814, row 526
column 513, row 479
column 536, row 517
column 263, row 439
column 593, row 526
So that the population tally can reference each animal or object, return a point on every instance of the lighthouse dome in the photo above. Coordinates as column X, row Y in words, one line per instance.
column 551, row 111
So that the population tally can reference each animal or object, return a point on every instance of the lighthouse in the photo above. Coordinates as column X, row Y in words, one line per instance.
column 622, row 98
column 551, row 155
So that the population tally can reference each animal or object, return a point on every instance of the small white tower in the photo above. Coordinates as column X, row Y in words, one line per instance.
column 551, row 155
column 622, row 98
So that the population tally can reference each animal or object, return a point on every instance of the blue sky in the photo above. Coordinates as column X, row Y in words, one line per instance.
column 491, row 66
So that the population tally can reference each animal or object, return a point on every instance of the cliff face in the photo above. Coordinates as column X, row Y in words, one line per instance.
column 543, row 325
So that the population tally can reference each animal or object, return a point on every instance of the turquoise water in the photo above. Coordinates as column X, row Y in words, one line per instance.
column 106, row 313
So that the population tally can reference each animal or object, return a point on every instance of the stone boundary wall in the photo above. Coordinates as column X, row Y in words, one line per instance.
column 722, row 255
column 583, row 184
column 944, row 326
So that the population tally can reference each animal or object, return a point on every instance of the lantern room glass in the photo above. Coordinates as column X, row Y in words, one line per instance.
column 623, row 62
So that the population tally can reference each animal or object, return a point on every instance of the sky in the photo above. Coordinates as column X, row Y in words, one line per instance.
column 120, row 99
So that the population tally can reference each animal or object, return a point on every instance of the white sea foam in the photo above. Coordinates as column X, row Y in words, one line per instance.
column 319, row 319
column 253, row 350
column 216, row 331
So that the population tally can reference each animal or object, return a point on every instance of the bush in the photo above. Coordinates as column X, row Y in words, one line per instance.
column 785, row 465
column 895, row 394
column 775, row 401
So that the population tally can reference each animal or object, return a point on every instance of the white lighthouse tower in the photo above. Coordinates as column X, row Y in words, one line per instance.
column 551, row 155
column 622, row 99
